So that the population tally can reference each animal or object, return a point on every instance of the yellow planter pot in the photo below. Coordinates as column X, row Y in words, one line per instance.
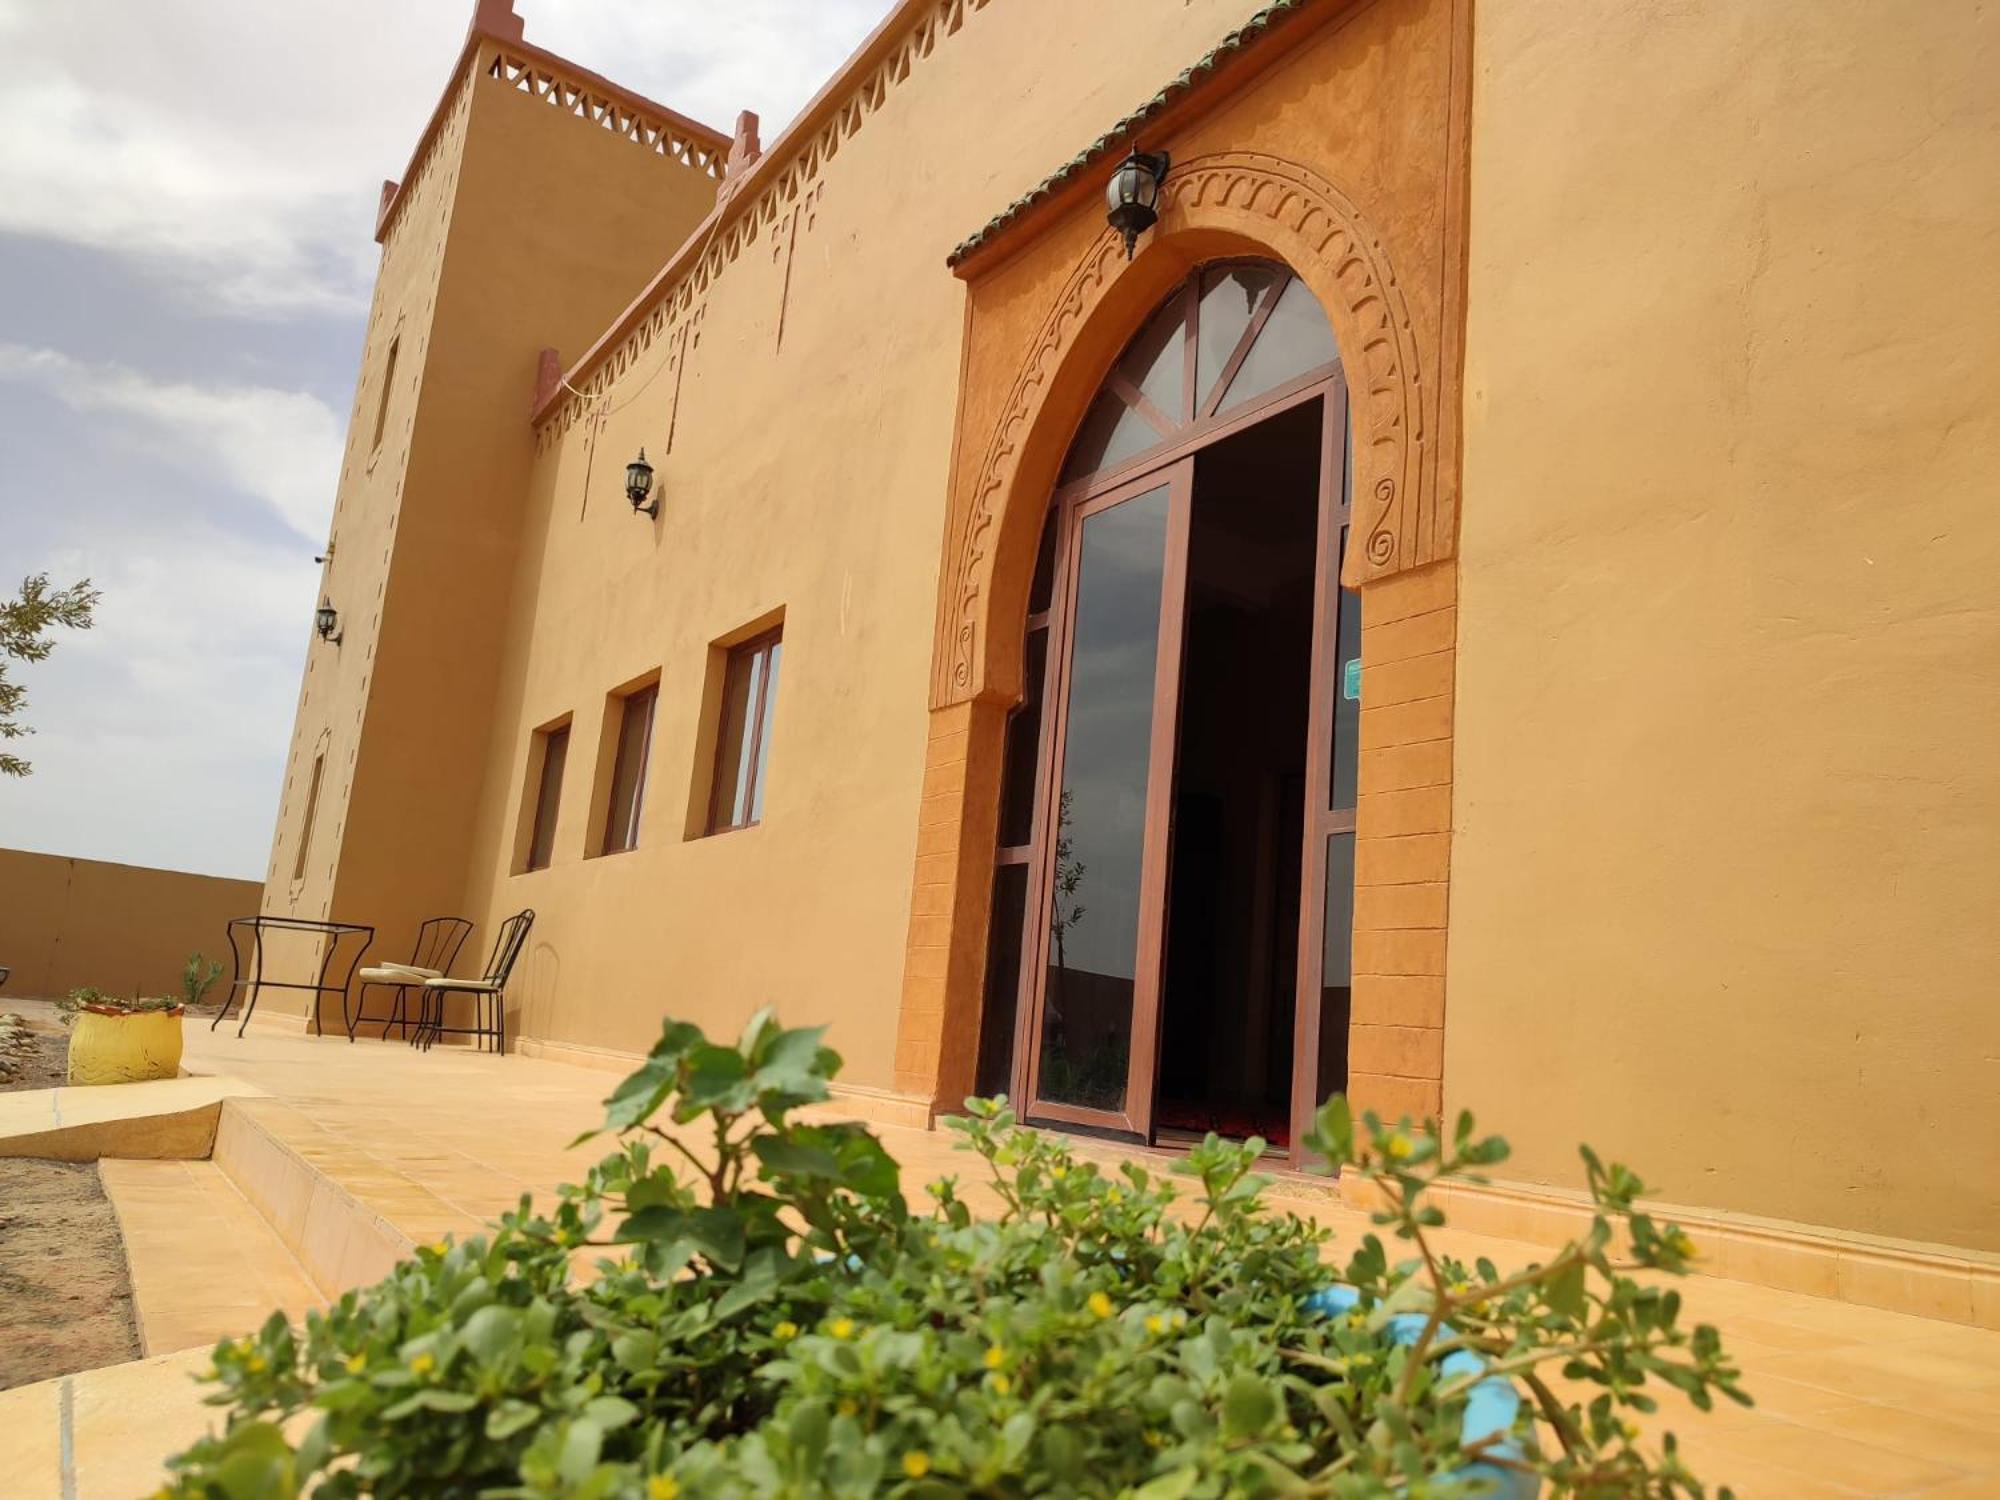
column 106, row 1048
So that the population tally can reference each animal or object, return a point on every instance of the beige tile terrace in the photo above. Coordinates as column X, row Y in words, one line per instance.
column 1852, row 1400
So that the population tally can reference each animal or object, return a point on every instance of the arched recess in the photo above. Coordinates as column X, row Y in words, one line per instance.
column 1226, row 203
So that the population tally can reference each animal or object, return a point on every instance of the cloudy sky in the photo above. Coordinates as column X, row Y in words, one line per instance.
column 187, row 194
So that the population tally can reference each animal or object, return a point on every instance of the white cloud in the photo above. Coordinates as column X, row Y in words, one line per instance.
column 160, row 733
column 282, row 447
column 705, row 60
column 224, row 157
column 208, row 215
column 235, row 148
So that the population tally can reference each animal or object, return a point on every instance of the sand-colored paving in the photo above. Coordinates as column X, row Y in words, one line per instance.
column 351, row 1152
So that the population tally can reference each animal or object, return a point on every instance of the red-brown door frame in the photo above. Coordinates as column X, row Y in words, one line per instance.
column 1171, row 462
column 1176, row 477
column 1321, row 819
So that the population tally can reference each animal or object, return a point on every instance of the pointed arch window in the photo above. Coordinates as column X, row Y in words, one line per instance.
column 1232, row 333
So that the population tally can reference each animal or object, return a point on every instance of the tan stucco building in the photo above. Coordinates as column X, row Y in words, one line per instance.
column 1494, row 604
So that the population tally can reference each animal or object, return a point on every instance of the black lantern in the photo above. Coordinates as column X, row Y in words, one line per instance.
column 639, row 485
column 1133, row 194
column 326, row 620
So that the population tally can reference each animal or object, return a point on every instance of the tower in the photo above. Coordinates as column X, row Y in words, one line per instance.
column 538, row 201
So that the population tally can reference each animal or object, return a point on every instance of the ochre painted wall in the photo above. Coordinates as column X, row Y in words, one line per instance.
column 525, row 227
column 807, row 474
column 124, row 929
column 1727, row 856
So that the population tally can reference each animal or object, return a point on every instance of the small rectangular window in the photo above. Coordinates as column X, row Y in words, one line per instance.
column 628, row 773
column 548, row 796
column 743, row 733
column 312, row 812
column 382, row 397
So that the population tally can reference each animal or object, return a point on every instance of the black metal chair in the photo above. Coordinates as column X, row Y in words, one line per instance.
column 438, row 942
column 491, row 987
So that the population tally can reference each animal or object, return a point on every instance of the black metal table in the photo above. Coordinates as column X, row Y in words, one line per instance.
column 256, row 927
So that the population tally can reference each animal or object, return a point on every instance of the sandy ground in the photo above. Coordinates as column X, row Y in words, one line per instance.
column 38, row 1065
column 65, row 1299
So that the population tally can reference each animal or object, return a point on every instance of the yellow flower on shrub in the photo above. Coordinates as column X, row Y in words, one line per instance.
column 1398, row 1147
column 662, row 1487
column 786, row 1330
column 916, row 1463
column 995, row 1357
column 356, row 1362
column 1100, row 1305
column 841, row 1328
column 1000, row 1384
column 424, row 1363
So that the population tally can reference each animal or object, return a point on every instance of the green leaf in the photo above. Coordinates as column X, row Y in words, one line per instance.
column 580, row 1447
column 490, row 1332
column 510, row 1417
column 1174, row 1485
column 640, row 1095
column 1565, row 1290
column 1248, row 1407
column 799, row 1158
column 718, row 1078
column 611, row 1412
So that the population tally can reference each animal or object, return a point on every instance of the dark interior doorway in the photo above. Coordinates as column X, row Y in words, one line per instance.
column 1232, row 918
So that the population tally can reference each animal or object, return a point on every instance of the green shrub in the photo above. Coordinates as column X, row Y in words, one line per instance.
column 777, row 1322
column 89, row 997
column 197, row 975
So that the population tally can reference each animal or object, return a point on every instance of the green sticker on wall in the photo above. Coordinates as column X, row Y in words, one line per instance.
column 1350, row 679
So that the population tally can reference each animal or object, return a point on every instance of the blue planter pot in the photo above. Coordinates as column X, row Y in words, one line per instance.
column 1491, row 1405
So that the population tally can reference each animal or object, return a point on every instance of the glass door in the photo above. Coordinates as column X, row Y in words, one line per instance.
column 1091, row 1027
column 1326, row 907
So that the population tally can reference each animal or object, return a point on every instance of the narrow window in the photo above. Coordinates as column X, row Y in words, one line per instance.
column 628, row 773
column 382, row 398
column 743, row 736
column 548, row 796
column 312, row 811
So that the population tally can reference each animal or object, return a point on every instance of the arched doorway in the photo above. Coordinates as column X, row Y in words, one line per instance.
column 1172, row 897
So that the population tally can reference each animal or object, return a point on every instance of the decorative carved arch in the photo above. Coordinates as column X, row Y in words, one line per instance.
column 1280, row 208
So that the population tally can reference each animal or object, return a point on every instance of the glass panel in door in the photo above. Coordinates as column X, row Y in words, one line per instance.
column 1098, row 971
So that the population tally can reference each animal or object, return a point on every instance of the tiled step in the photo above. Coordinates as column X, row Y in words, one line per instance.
column 205, row 1265
column 307, row 1193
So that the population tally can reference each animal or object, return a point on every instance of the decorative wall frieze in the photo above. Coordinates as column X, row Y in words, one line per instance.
column 785, row 180
column 649, row 131
column 1313, row 226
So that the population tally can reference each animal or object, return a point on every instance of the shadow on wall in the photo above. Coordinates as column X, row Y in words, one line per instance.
column 532, row 1004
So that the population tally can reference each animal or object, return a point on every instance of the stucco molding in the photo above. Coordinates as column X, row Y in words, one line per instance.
column 1316, row 228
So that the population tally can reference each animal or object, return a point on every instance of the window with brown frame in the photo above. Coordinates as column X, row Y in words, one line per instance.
column 548, row 795
column 628, row 772
column 312, row 812
column 382, row 397
column 743, row 733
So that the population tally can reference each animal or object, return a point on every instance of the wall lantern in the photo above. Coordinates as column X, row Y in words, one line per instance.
column 326, row 620
column 1133, row 194
column 639, row 485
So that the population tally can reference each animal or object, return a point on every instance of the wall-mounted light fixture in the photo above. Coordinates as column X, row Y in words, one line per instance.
column 326, row 620
column 1133, row 194
column 639, row 485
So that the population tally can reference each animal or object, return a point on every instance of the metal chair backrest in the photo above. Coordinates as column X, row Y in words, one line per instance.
column 507, row 947
column 438, row 942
